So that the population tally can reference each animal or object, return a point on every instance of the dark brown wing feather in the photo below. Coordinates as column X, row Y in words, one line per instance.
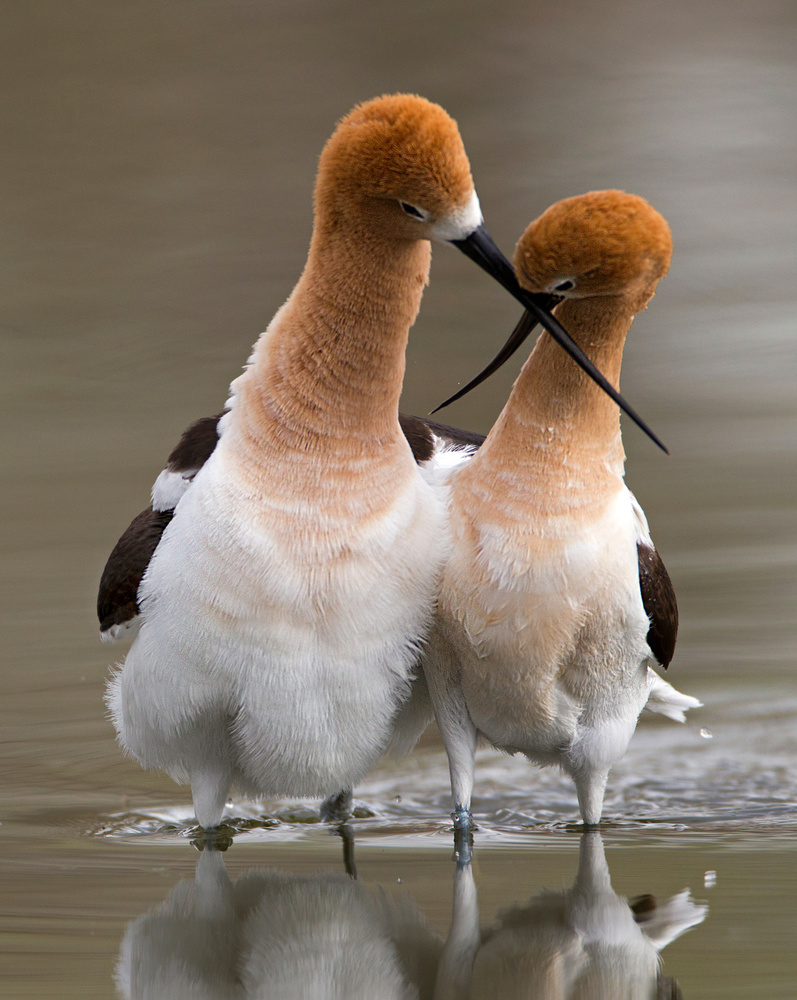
column 661, row 607
column 117, row 601
column 196, row 445
column 421, row 432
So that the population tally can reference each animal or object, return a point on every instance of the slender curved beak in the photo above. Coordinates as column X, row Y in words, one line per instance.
column 479, row 246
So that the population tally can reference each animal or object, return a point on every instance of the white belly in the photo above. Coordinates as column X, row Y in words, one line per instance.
column 286, row 654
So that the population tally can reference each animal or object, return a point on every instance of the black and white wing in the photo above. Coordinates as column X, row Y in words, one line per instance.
column 438, row 447
column 661, row 607
column 117, row 600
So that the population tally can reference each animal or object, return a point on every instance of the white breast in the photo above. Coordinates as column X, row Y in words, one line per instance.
column 549, row 628
column 293, row 647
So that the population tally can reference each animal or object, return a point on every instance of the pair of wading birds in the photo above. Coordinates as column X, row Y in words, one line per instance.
column 317, row 571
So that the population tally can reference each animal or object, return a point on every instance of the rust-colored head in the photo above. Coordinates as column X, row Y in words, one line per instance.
column 596, row 244
column 394, row 151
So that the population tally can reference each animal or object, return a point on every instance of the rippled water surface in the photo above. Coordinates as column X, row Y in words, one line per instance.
column 157, row 166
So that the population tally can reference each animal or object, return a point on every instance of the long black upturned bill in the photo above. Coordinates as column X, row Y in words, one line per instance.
column 479, row 246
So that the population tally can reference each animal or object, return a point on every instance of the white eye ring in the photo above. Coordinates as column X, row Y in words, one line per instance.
column 420, row 214
column 565, row 285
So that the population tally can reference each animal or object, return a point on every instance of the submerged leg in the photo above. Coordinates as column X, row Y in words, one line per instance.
column 463, row 827
column 336, row 809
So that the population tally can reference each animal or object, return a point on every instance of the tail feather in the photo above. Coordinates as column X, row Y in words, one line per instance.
column 668, row 921
column 665, row 700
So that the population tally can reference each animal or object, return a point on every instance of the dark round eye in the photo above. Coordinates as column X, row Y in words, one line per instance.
column 564, row 286
column 411, row 210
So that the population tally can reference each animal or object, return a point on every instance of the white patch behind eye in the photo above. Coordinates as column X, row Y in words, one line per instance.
column 459, row 224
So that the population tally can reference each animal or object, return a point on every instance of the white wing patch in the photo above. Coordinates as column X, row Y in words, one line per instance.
column 446, row 458
column 125, row 630
column 640, row 521
column 169, row 488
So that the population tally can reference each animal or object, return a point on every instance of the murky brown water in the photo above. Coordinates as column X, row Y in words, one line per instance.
column 157, row 165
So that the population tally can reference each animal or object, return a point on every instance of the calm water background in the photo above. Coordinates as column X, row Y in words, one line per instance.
column 156, row 170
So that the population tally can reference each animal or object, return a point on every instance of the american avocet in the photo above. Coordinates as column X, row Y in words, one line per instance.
column 554, row 601
column 292, row 584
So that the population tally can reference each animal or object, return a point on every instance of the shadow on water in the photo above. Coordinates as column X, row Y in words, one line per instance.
column 279, row 934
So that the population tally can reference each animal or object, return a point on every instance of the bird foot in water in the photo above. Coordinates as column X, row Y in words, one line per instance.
column 213, row 838
column 463, row 835
column 337, row 808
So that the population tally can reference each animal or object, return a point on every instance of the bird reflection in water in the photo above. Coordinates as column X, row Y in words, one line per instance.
column 322, row 937
column 278, row 935
column 583, row 943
